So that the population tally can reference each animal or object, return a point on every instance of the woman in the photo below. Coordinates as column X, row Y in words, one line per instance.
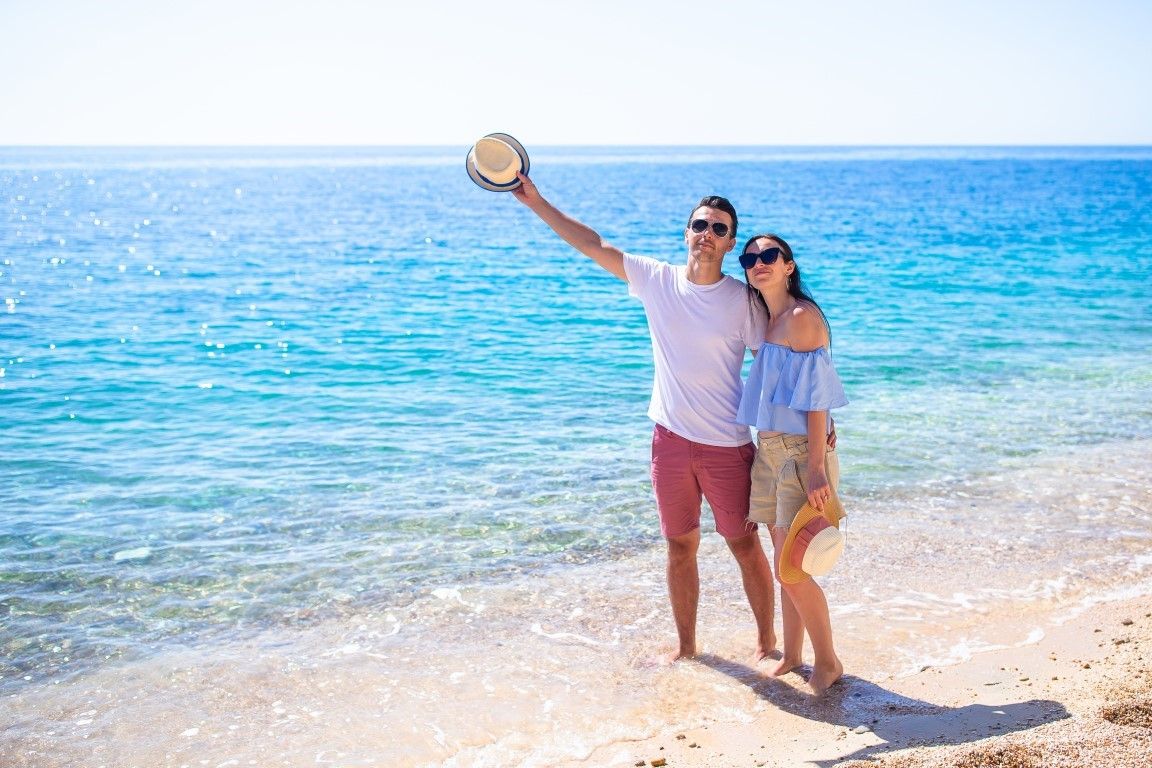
column 790, row 389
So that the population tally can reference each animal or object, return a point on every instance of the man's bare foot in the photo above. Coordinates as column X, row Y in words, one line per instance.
column 674, row 656
column 824, row 677
column 786, row 665
column 665, row 659
column 760, row 656
column 766, row 650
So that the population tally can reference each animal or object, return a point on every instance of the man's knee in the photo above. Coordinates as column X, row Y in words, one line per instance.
column 749, row 554
column 745, row 546
column 683, row 547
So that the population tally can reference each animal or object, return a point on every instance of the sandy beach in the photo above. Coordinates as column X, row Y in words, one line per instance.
column 1080, row 696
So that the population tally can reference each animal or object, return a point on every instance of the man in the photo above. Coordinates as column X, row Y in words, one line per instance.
column 701, row 322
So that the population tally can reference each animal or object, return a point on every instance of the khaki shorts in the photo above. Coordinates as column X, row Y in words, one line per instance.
column 780, row 478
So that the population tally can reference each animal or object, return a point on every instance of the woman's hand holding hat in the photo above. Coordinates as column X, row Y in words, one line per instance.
column 819, row 492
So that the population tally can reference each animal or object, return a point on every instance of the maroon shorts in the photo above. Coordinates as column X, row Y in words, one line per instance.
column 683, row 471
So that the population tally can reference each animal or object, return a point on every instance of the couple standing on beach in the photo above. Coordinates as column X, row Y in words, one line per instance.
column 701, row 323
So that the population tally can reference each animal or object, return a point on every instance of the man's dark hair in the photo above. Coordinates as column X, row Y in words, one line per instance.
column 720, row 204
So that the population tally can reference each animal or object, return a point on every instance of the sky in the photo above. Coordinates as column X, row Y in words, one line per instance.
column 579, row 72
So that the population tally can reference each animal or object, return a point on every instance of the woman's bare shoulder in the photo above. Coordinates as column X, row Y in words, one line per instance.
column 806, row 329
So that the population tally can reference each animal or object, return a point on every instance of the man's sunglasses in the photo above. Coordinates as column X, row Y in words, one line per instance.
column 719, row 227
column 768, row 256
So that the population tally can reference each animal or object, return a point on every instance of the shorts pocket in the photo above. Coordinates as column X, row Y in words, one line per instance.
column 762, row 498
column 798, row 467
column 790, row 493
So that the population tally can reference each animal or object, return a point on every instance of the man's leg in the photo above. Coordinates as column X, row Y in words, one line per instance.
column 678, row 502
column 759, row 587
column 727, row 484
column 684, row 590
column 791, row 620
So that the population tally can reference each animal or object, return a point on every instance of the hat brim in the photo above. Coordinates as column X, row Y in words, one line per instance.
column 833, row 511
column 481, row 180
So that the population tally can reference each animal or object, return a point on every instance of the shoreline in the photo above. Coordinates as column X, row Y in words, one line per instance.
column 937, row 622
column 1079, row 695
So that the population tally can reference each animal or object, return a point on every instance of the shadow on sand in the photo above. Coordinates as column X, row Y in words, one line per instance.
column 897, row 719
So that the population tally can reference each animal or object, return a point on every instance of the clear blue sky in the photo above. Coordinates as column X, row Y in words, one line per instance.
column 582, row 72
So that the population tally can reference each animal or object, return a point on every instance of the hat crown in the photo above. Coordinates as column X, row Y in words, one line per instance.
column 496, row 160
column 822, row 552
column 813, row 545
column 495, row 155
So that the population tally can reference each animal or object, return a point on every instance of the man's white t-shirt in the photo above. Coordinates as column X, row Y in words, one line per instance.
column 699, row 337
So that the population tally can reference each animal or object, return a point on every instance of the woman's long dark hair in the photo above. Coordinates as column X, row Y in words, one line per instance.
column 796, row 287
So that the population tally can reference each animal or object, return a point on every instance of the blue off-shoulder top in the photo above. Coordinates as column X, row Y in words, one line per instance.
column 783, row 385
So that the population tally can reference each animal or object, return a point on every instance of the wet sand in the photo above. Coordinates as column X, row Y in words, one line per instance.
column 1081, row 695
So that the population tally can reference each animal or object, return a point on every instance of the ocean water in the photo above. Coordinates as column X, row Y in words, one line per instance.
column 329, row 455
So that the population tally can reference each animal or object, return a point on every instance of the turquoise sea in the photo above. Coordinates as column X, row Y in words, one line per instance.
column 344, row 431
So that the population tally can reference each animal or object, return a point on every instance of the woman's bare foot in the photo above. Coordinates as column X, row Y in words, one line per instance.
column 824, row 677
column 786, row 665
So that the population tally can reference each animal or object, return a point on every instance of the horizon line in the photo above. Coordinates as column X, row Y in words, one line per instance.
column 424, row 145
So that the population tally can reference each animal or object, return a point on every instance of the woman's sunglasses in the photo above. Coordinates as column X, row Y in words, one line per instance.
column 719, row 227
column 768, row 256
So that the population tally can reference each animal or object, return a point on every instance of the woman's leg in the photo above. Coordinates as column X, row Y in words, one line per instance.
column 809, row 601
column 806, row 598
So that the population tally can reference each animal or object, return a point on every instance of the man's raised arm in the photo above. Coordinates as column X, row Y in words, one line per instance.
column 578, row 235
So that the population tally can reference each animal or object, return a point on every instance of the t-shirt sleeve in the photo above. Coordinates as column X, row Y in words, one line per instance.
column 641, row 273
column 755, row 326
